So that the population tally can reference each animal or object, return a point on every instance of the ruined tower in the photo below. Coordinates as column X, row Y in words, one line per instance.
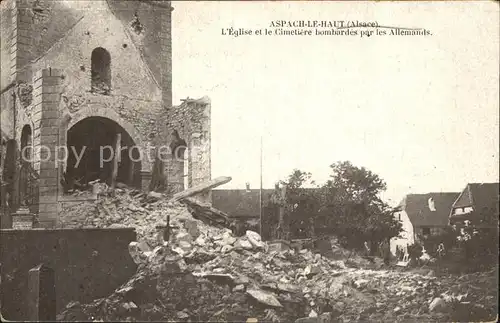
column 79, row 74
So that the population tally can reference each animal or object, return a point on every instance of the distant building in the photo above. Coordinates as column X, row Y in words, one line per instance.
column 241, row 205
column 478, row 203
column 422, row 215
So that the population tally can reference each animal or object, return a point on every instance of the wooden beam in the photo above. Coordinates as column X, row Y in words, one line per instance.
column 203, row 187
column 206, row 213
column 116, row 159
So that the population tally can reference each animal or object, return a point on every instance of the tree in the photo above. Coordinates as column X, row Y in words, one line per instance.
column 353, row 209
column 297, row 180
column 348, row 205
column 301, row 203
column 355, row 184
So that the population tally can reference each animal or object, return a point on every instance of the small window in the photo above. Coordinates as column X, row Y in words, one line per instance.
column 426, row 231
column 468, row 209
column 100, row 71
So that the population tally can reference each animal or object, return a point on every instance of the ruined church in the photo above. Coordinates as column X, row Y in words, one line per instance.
column 78, row 75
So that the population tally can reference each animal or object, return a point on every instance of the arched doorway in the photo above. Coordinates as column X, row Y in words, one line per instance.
column 90, row 144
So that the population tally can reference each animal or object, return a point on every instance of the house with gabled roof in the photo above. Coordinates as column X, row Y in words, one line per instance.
column 478, row 204
column 422, row 215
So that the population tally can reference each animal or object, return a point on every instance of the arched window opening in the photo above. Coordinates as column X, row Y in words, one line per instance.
column 26, row 148
column 101, row 71
column 25, row 174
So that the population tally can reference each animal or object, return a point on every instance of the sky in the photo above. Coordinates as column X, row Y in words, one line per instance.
column 422, row 112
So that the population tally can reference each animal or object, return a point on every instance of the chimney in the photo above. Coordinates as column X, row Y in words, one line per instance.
column 21, row 41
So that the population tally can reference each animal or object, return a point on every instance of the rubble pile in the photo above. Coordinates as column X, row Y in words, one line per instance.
column 205, row 273
column 127, row 208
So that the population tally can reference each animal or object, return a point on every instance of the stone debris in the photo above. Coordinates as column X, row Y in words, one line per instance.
column 437, row 304
column 264, row 297
column 206, row 273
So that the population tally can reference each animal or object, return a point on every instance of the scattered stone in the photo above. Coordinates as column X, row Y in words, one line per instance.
column 279, row 246
column 192, row 228
column 255, row 239
column 239, row 288
column 437, row 305
column 182, row 315
column 243, row 280
column 228, row 239
column 135, row 252
column 129, row 308
column 311, row 270
column 307, row 320
column 361, row 283
column 184, row 245
column 200, row 241
column 243, row 244
column 206, row 274
column 143, row 246
column 313, row 313
column 117, row 226
column 264, row 297
column 155, row 195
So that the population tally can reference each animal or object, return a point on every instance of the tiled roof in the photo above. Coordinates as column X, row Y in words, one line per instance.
column 240, row 202
column 417, row 208
column 479, row 196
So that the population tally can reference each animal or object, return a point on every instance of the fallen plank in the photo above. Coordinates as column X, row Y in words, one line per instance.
column 201, row 188
column 206, row 212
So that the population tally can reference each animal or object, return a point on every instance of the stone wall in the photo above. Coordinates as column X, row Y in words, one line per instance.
column 191, row 120
column 154, row 39
column 60, row 34
column 88, row 264
column 5, row 42
column 45, row 118
column 7, row 113
column 48, row 46
column 135, row 98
